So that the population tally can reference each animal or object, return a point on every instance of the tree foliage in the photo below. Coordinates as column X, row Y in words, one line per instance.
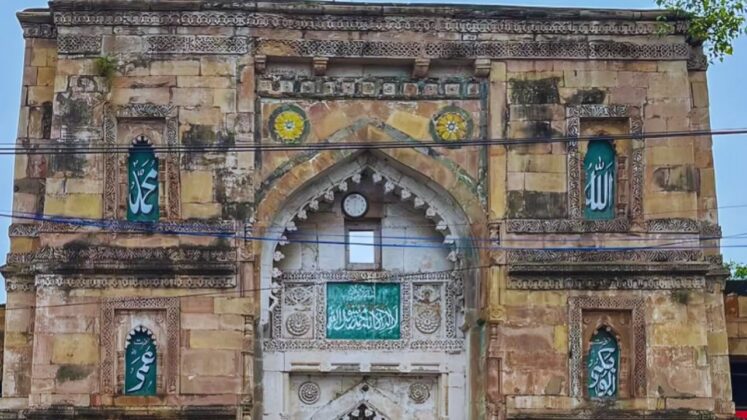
column 715, row 23
column 738, row 271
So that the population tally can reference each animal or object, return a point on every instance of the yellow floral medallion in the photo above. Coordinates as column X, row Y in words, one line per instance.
column 452, row 124
column 288, row 124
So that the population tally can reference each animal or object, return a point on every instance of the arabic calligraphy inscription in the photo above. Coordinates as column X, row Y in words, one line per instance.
column 142, row 197
column 603, row 365
column 368, row 311
column 599, row 191
column 140, row 364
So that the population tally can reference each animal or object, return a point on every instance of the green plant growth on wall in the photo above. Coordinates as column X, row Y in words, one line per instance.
column 106, row 67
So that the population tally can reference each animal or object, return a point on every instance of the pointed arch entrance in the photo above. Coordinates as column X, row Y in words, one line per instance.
column 323, row 319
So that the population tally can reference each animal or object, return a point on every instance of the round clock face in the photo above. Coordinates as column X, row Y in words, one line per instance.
column 355, row 205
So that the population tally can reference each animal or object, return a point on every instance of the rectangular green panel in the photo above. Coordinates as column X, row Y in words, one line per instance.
column 142, row 174
column 363, row 311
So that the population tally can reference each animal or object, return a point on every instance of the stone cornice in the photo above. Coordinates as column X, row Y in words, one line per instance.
column 315, row 8
column 37, row 24
column 395, row 23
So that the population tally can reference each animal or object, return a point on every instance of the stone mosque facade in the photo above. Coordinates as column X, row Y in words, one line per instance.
column 290, row 210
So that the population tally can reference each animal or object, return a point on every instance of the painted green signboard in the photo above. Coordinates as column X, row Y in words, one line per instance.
column 140, row 365
column 599, row 190
column 604, row 365
column 142, row 197
column 363, row 311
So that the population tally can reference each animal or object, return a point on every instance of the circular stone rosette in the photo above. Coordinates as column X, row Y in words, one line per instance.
column 451, row 125
column 419, row 392
column 308, row 393
column 298, row 324
column 288, row 124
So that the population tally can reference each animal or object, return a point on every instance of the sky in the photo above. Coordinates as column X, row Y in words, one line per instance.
column 726, row 79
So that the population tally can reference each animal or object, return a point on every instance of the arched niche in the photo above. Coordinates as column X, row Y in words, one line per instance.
column 434, row 282
column 140, row 363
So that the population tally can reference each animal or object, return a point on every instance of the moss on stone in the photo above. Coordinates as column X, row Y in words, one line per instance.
column 542, row 91
column 587, row 97
column 67, row 373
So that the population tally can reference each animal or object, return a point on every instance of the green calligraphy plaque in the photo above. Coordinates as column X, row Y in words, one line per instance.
column 599, row 190
column 140, row 365
column 363, row 311
column 142, row 170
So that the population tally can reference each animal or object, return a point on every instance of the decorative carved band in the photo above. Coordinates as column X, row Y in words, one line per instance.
column 107, row 282
column 24, row 229
column 39, row 30
column 79, row 44
column 213, row 44
column 202, row 44
column 344, row 275
column 20, row 285
column 567, row 226
column 363, row 22
column 672, row 226
column 394, row 88
column 488, row 49
column 94, row 254
column 555, row 256
column 619, row 225
column 605, row 282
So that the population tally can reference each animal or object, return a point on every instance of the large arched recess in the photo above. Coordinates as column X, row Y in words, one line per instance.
column 420, row 174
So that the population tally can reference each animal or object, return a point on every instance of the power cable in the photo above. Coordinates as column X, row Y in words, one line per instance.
column 63, row 148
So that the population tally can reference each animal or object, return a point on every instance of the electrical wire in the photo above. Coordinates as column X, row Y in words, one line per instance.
column 66, row 148
column 464, row 243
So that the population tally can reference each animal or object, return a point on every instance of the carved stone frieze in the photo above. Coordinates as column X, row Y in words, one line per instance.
column 39, row 30
column 623, row 255
column 197, row 44
column 359, row 22
column 116, row 281
column 108, row 341
column 177, row 259
column 22, row 284
column 567, row 226
column 79, row 44
column 710, row 230
column 482, row 49
column 605, row 282
column 577, row 305
column 346, row 87
column 672, row 226
column 218, row 227
column 24, row 229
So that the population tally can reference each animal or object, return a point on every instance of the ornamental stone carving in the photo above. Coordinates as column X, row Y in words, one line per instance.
column 309, row 392
column 419, row 392
column 298, row 324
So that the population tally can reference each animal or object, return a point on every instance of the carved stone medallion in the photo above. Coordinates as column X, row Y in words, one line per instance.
column 298, row 324
column 309, row 393
column 419, row 392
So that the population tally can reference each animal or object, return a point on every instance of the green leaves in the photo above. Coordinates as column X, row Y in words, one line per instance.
column 715, row 23
column 738, row 271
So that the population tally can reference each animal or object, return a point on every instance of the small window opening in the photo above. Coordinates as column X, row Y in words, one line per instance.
column 363, row 247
